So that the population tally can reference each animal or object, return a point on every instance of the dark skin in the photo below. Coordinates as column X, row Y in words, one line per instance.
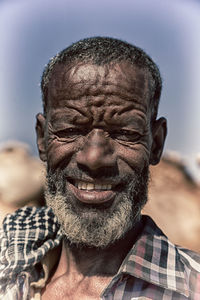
column 98, row 117
column 85, row 273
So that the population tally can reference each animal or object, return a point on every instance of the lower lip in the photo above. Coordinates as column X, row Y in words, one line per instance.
column 93, row 197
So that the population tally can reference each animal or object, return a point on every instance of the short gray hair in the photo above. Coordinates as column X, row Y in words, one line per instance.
column 101, row 51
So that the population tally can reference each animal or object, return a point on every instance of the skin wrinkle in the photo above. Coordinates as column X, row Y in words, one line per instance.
column 98, row 119
column 109, row 100
column 111, row 117
column 108, row 90
column 99, row 135
column 73, row 118
column 87, row 51
column 81, row 87
column 88, row 103
column 88, row 111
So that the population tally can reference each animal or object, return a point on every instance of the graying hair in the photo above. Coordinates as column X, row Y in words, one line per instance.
column 101, row 51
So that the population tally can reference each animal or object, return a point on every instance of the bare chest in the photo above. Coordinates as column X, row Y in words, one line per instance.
column 65, row 289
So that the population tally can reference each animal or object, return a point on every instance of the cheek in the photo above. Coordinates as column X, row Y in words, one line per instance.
column 134, row 158
column 59, row 154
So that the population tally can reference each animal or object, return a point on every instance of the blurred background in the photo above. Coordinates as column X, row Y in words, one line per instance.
column 33, row 31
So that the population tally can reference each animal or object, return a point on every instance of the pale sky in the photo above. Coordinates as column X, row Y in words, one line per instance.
column 33, row 31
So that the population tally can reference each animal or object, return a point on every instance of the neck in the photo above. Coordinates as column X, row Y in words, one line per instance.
column 88, row 261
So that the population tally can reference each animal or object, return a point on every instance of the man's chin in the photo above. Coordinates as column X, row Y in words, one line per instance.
column 94, row 226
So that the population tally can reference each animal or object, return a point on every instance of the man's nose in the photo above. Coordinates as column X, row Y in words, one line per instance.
column 97, row 151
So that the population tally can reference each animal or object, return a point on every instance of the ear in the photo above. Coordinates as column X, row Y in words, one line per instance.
column 159, row 133
column 40, row 131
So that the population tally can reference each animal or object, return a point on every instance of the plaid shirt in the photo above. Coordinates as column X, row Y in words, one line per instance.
column 153, row 269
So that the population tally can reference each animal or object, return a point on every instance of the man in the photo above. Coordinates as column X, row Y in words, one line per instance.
column 98, row 135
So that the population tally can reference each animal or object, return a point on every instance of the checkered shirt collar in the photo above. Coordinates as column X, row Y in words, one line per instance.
column 156, row 260
column 31, row 233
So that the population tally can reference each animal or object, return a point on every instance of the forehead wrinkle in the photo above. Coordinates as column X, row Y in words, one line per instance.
column 89, row 108
column 107, row 90
column 88, row 79
column 114, row 116
column 71, row 113
column 98, row 114
column 114, row 86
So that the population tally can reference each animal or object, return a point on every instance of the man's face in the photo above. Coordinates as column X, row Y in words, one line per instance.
column 98, row 144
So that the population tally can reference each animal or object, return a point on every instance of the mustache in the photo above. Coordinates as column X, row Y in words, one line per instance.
column 100, row 173
column 104, row 174
column 60, row 176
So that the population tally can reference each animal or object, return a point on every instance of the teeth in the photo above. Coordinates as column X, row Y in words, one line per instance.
column 83, row 185
column 90, row 186
column 97, row 186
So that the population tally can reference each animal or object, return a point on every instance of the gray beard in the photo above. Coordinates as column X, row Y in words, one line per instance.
column 91, row 226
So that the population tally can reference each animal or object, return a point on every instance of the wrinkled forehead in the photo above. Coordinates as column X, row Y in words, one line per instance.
column 85, row 79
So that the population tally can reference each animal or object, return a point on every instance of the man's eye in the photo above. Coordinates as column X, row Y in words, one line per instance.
column 125, row 135
column 69, row 133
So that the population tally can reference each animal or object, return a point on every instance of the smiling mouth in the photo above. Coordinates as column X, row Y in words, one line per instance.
column 88, row 186
column 92, row 192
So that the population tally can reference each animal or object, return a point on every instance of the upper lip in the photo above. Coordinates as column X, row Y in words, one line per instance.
column 94, row 181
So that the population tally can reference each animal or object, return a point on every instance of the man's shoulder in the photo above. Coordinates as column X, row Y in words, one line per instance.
column 191, row 268
column 26, row 237
column 178, row 267
column 28, row 229
column 189, row 258
column 28, row 226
